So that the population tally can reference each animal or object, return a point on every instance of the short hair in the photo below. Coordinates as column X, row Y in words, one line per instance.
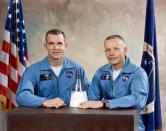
column 113, row 37
column 55, row 32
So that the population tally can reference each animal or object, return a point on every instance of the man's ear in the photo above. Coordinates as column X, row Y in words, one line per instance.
column 66, row 45
column 125, row 49
column 44, row 44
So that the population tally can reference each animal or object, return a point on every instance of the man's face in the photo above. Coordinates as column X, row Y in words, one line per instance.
column 115, row 51
column 55, row 45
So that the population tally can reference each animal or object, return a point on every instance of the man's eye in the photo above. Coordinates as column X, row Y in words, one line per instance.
column 50, row 43
column 116, row 48
column 60, row 43
column 107, row 50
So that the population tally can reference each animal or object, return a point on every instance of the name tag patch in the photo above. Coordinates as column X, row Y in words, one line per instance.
column 105, row 77
column 45, row 75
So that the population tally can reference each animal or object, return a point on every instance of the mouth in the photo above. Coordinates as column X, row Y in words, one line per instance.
column 112, row 59
column 56, row 52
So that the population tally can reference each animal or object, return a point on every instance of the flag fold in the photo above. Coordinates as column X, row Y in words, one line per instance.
column 14, row 55
column 152, row 112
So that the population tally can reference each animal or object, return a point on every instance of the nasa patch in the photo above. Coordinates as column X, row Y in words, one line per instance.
column 125, row 77
column 69, row 74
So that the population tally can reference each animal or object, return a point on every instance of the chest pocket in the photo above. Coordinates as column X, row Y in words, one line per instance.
column 47, row 83
column 105, row 81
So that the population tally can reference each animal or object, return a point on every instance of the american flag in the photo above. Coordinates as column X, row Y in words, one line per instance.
column 14, row 55
column 152, row 113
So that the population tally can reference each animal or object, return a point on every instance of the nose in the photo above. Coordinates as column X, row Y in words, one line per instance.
column 56, row 46
column 111, row 52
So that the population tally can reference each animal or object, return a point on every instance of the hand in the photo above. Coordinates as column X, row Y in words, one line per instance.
column 91, row 104
column 56, row 102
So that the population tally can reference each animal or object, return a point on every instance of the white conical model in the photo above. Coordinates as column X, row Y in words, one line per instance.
column 78, row 93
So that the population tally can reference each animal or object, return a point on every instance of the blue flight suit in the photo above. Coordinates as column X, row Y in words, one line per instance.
column 39, row 83
column 130, row 89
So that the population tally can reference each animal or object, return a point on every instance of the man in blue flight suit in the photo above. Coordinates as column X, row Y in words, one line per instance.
column 118, row 84
column 49, row 82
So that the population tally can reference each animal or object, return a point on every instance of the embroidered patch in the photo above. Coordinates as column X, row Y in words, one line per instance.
column 105, row 77
column 45, row 76
column 69, row 74
column 125, row 77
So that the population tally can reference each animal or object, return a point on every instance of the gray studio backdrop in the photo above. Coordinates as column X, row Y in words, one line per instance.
column 87, row 23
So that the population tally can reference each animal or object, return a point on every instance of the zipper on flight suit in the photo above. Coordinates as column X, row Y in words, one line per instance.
column 113, row 81
column 57, row 78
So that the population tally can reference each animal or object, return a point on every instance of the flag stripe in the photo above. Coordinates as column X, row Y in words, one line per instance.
column 12, row 57
column 5, row 46
column 3, row 80
column 13, row 85
column 3, row 91
column 4, row 68
column 4, row 57
column 14, row 75
column 11, row 96
column 7, row 36
column 21, row 69
column 14, row 62
column 13, row 50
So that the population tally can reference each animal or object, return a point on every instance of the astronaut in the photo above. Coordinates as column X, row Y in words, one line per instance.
column 49, row 82
column 120, row 83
